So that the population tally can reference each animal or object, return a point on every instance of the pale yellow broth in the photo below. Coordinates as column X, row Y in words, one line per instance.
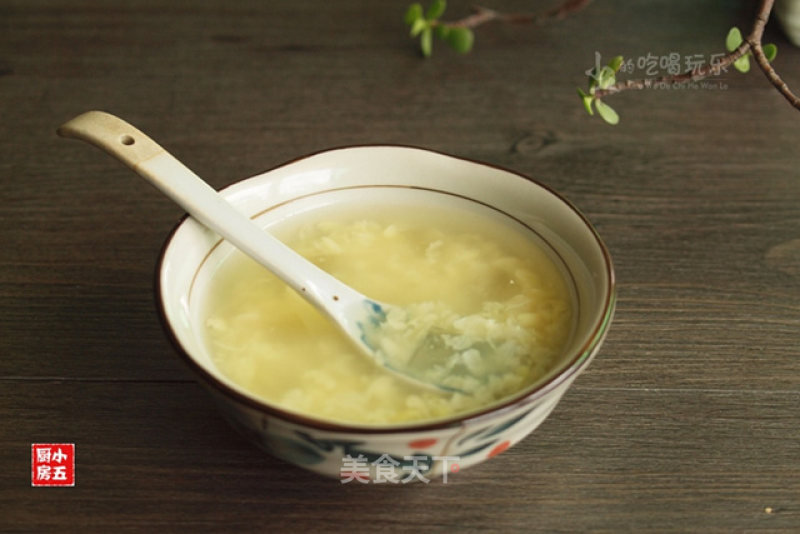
column 481, row 276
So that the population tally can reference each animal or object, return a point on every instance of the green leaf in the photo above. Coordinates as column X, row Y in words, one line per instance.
column 615, row 63
column 419, row 25
column 742, row 64
column 587, row 101
column 413, row 13
column 426, row 42
column 770, row 51
column 442, row 31
column 461, row 39
column 734, row 39
column 606, row 77
column 436, row 9
column 606, row 112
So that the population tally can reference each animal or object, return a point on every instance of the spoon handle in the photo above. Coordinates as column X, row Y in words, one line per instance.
column 173, row 178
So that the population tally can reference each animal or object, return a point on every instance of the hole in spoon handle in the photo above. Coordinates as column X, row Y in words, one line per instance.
column 113, row 135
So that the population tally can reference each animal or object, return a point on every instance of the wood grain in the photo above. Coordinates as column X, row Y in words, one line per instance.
column 686, row 422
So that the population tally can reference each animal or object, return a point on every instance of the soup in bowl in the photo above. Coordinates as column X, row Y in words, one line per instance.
column 514, row 278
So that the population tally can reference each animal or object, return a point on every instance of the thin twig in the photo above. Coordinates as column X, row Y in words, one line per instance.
column 751, row 44
column 567, row 8
column 482, row 15
column 761, row 59
column 773, row 76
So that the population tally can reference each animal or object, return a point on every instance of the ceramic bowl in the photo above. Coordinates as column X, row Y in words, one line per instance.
column 427, row 449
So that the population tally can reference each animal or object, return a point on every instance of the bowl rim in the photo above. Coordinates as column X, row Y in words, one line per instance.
column 574, row 365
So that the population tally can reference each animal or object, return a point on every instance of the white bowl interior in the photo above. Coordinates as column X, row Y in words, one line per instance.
column 330, row 180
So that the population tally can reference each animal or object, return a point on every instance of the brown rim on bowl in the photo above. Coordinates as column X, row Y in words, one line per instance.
column 576, row 363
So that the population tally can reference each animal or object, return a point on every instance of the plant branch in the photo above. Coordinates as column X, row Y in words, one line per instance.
column 773, row 77
column 482, row 15
column 750, row 44
column 754, row 39
column 565, row 9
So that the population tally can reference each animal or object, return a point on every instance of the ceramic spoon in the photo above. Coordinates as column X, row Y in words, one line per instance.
column 361, row 318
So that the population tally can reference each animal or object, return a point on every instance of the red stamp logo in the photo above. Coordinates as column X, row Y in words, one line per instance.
column 52, row 464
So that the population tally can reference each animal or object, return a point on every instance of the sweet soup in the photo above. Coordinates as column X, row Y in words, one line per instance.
column 474, row 277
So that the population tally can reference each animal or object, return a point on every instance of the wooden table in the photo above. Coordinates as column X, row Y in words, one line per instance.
column 688, row 419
